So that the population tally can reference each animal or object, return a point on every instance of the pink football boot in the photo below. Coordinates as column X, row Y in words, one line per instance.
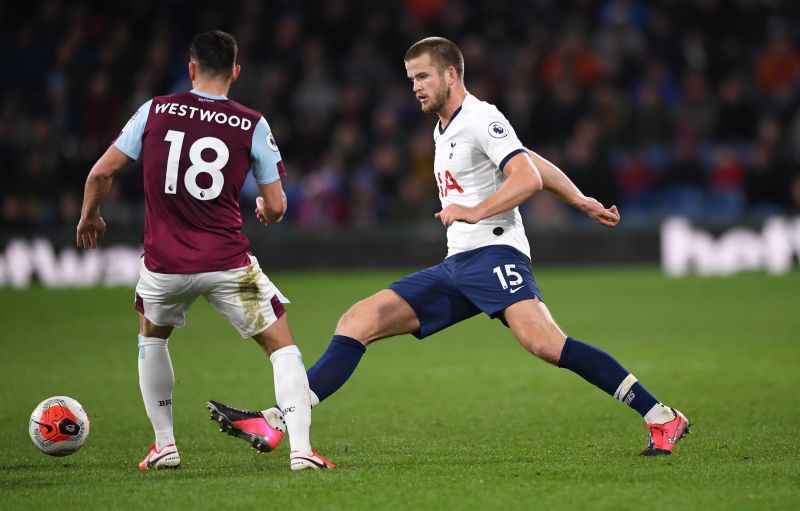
column 262, row 433
column 663, row 437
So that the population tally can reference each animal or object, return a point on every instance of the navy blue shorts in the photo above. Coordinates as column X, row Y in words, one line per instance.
column 487, row 279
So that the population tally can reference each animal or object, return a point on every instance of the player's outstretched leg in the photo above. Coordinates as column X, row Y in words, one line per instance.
column 383, row 314
column 535, row 328
column 156, row 380
column 264, row 430
column 666, row 425
column 334, row 367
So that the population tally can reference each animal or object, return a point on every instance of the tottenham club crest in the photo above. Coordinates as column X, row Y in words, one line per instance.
column 498, row 130
column 271, row 142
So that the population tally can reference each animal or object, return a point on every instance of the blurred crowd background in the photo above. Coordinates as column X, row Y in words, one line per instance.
column 662, row 107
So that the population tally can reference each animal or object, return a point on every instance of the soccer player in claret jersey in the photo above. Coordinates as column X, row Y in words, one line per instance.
column 483, row 173
column 196, row 149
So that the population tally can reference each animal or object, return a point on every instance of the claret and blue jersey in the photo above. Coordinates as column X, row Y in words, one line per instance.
column 196, row 151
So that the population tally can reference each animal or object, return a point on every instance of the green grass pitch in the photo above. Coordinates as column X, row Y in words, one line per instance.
column 464, row 420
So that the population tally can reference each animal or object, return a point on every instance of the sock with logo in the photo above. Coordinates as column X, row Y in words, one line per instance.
column 156, row 380
column 603, row 371
column 334, row 367
column 292, row 394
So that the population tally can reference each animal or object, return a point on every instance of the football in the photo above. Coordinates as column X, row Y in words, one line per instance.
column 59, row 426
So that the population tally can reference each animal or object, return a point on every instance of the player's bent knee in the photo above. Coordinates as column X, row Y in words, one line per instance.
column 149, row 329
column 356, row 322
column 539, row 349
column 382, row 315
column 548, row 349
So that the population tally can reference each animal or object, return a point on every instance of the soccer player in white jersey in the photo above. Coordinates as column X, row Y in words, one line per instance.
column 197, row 148
column 483, row 173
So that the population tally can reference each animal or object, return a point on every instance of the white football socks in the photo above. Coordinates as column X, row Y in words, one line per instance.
column 659, row 414
column 292, row 394
column 156, row 381
column 313, row 397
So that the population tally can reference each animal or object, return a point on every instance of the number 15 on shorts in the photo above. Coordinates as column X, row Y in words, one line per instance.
column 510, row 278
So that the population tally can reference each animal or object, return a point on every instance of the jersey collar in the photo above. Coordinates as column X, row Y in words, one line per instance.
column 452, row 117
column 204, row 95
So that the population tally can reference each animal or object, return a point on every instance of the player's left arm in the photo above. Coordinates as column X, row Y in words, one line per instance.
column 559, row 184
column 523, row 180
column 91, row 225
column 268, row 169
column 271, row 205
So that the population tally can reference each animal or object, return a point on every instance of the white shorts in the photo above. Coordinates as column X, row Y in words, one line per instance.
column 245, row 296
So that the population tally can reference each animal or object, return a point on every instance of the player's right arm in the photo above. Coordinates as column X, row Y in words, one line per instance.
column 556, row 182
column 522, row 182
column 498, row 141
column 91, row 225
column 125, row 148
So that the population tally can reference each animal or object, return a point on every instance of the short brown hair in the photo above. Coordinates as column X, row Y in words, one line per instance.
column 214, row 52
column 443, row 52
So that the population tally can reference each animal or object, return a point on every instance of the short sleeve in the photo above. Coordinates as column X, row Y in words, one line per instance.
column 129, row 140
column 265, row 158
column 497, row 138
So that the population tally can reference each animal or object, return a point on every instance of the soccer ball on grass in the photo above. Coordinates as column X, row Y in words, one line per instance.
column 59, row 426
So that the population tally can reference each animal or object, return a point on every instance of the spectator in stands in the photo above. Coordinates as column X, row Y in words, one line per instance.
column 662, row 83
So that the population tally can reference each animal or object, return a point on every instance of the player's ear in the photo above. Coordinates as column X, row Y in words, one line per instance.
column 192, row 71
column 237, row 68
column 452, row 75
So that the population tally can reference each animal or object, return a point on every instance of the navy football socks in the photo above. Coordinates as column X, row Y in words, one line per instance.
column 603, row 371
column 335, row 366
column 594, row 365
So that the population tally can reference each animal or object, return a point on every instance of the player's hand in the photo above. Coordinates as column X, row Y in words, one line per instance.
column 599, row 213
column 89, row 230
column 456, row 213
column 260, row 210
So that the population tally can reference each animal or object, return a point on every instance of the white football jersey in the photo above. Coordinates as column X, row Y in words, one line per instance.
column 471, row 152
